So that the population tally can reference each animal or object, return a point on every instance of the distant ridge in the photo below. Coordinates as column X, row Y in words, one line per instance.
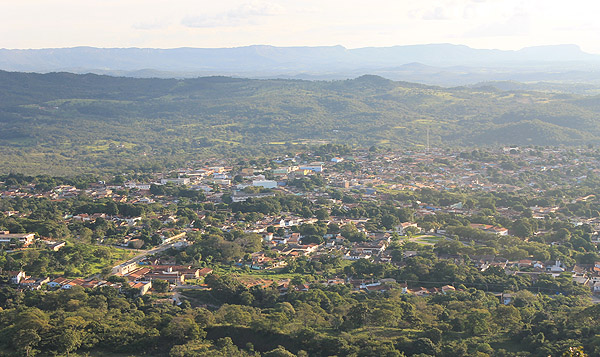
column 417, row 63
column 64, row 122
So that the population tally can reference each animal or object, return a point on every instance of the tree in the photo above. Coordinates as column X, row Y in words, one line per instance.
column 183, row 328
column 25, row 340
column 522, row 228
column 477, row 322
column 389, row 221
column 357, row 315
column 161, row 286
column 322, row 214
column 280, row 351
column 69, row 340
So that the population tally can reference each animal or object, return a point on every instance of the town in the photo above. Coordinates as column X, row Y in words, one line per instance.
column 337, row 188
column 423, row 223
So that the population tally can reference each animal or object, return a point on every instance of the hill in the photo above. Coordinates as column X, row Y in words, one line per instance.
column 67, row 123
column 438, row 64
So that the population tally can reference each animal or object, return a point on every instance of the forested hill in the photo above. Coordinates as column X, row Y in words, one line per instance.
column 67, row 123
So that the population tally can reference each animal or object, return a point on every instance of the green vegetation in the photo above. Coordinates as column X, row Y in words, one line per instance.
column 73, row 261
column 68, row 124
column 319, row 322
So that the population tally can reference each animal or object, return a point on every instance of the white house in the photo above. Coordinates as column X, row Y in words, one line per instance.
column 312, row 167
column 264, row 183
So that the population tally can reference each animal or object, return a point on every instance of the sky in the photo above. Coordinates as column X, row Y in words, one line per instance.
column 498, row 24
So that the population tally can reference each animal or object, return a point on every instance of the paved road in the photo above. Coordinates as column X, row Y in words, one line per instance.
column 152, row 251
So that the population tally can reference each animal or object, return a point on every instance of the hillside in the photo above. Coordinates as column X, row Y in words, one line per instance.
column 67, row 123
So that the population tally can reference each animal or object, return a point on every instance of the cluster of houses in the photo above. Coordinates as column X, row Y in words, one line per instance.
column 22, row 280
column 149, row 270
column 434, row 169
column 137, row 276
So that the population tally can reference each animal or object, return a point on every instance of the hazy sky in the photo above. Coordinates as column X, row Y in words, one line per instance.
column 503, row 24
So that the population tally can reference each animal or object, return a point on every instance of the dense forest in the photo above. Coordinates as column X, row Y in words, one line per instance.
column 66, row 124
column 320, row 322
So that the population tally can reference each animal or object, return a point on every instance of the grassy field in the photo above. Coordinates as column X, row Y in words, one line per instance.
column 94, row 260
column 426, row 239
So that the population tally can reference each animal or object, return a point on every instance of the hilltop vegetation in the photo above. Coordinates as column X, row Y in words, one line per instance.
column 65, row 123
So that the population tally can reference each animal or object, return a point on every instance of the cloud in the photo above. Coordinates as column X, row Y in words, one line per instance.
column 245, row 14
column 580, row 27
column 439, row 13
column 516, row 25
column 150, row 25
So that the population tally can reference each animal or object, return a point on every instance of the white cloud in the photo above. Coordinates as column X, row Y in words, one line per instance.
column 154, row 24
column 245, row 14
column 439, row 13
column 518, row 24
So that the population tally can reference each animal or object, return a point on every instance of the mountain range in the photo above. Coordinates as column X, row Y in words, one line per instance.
column 439, row 64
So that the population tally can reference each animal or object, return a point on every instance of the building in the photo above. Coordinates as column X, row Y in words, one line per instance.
column 7, row 238
column 177, row 181
column 16, row 276
column 58, row 282
column 125, row 268
column 142, row 286
column 264, row 183
column 315, row 167
column 172, row 277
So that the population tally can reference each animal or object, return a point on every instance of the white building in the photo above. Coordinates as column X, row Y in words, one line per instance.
column 177, row 181
column 264, row 183
column 316, row 167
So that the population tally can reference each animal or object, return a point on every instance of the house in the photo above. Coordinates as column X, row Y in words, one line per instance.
column 7, row 238
column 137, row 274
column 267, row 237
column 556, row 268
column 315, row 167
column 142, row 286
column 125, row 268
column 16, row 276
column 490, row 229
column 356, row 256
column 524, row 263
column 403, row 288
column 73, row 283
column 205, row 271
column 421, row 292
column 91, row 284
column 506, row 298
column 335, row 281
column 34, row 284
column 448, row 289
column 377, row 287
column 172, row 277
column 264, row 183
column 401, row 228
column 55, row 246
column 193, row 273
column 177, row 181
column 58, row 282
